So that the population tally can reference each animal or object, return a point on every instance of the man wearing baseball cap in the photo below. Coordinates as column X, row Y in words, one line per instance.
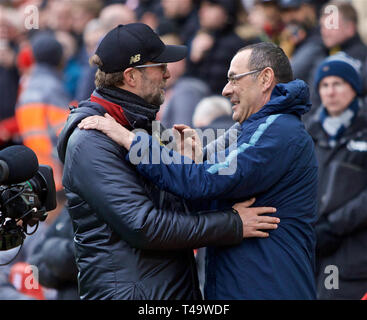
column 132, row 240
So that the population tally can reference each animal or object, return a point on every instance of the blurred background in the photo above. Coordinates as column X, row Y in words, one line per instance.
column 44, row 50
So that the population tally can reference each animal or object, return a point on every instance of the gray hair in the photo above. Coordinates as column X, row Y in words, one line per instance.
column 210, row 108
column 267, row 54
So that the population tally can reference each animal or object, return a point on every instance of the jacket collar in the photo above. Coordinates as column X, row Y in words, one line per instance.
column 321, row 138
column 287, row 98
column 127, row 108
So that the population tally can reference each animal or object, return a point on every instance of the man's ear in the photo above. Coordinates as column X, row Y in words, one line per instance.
column 130, row 77
column 350, row 28
column 267, row 79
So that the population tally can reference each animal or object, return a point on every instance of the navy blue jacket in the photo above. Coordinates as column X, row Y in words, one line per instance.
column 274, row 160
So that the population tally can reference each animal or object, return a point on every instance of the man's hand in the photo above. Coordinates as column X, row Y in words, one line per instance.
column 188, row 142
column 252, row 220
column 110, row 127
column 201, row 43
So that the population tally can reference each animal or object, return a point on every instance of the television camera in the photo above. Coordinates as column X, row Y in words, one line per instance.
column 27, row 193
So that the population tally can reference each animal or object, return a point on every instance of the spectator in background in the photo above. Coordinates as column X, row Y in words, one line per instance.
column 301, row 37
column 72, row 67
column 215, row 43
column 54, row 257
column 339, row 130
column 345, row 37
column 338, row 33
column 361, row 8
column 301, row 41
column 184, row 17
column 42, row 108
column 110, row 17
column 93, row 32
column 9, row 79
column 213, row 112
column 115, row 14
column 265, row 16
column 149, row 12
column 183, row 92
column 245, row 29
column 82, row 12
column 59, row 15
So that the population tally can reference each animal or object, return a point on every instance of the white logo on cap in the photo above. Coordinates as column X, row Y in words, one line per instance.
column 135, row 59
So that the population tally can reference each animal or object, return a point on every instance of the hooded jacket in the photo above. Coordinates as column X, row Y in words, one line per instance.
column 132, row 240
column 274, row 161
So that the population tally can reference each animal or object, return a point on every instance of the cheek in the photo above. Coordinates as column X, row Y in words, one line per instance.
column 323, row 95
column 347, row 97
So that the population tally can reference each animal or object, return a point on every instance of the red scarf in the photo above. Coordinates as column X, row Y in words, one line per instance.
column 114, row 110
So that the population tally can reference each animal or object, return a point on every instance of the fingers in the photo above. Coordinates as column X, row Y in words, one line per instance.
column 176, row 134
column 267, row 226
column 247, row 203
column 107, row 116
column 96, row 122
column 259, row 234
column 191, row 133
column 180, row 127
column 266, row 219
column 91, row 122
column 262, row 210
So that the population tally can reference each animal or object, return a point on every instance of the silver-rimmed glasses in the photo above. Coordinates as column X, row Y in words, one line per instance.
column 232, row 79
column 162, row 65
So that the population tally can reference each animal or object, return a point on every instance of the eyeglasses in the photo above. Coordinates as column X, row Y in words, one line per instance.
column 232, row 79
column 162, row 65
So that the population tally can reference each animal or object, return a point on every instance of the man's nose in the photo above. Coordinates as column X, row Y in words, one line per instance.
column 330, row 90
column 227, row 90
column 166, row 74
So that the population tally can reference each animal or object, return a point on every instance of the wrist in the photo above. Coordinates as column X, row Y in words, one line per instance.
column 130, row 140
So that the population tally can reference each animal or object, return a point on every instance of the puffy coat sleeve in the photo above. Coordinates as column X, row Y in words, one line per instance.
column 115, row 192
column 252, row 166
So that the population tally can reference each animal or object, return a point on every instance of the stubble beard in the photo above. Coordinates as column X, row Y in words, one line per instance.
column 155, row 97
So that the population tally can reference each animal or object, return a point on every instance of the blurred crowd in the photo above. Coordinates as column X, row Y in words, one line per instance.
column 45, row 46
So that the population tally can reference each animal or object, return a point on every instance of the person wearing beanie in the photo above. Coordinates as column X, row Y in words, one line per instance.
column 339, row 131
column 46, row 49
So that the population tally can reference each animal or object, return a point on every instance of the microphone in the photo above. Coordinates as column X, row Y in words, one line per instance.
column 17, row 164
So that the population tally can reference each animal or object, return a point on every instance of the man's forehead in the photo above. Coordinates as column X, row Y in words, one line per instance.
column 239, row 62
column 332, row 79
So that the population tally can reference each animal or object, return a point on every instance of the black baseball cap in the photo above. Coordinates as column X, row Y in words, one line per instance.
column 134, row 44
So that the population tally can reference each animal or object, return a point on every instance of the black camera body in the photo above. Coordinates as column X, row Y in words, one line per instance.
column 27, row 202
